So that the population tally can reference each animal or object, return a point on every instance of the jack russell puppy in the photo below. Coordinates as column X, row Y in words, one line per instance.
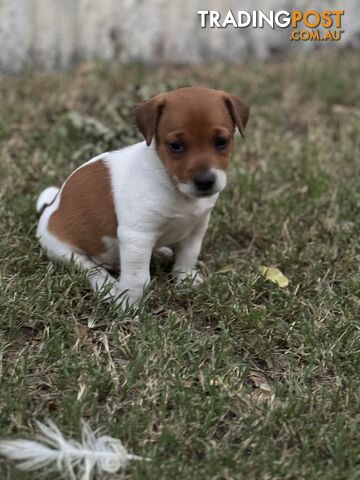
column 117, row 209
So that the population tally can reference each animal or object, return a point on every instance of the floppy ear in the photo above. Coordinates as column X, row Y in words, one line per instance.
column 147, row 116
column 239, row 111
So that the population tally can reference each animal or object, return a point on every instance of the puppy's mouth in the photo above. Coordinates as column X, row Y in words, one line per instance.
column 205, row 194
column 190, row 190
column 205, row 186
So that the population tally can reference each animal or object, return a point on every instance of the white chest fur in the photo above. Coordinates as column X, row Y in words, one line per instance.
column 147, row 201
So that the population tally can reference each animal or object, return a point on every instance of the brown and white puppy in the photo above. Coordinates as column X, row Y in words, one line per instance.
column 118, row 208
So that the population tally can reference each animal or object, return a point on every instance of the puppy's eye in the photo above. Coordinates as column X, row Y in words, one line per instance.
column 176, row 147
column 221, row 142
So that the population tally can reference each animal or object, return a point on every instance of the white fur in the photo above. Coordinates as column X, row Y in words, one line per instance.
column 46, row 197
column 152, row 213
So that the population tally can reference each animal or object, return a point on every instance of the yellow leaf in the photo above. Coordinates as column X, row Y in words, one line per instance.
column 274, row 275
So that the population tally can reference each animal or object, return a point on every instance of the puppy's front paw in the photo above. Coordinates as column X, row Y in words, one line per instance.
column 192, row 276
column 124, row 298
column 113, row 295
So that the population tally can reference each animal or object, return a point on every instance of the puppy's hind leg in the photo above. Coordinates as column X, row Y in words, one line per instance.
column 98, row 276
column 61, row 252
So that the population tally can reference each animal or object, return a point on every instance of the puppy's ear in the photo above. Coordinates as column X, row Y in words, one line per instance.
column 239, row 111
column 147, row 116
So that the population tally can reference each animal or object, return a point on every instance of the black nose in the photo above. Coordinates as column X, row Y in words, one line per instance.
column 205, row 181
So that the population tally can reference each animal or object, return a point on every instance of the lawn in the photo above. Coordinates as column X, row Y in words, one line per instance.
column 238, row 379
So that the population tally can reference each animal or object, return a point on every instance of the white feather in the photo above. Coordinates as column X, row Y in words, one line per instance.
column 78, row 460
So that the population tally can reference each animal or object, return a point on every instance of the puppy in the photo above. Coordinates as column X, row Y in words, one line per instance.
column 117, row 209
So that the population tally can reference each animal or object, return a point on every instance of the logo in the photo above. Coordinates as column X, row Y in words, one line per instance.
column 309, row 25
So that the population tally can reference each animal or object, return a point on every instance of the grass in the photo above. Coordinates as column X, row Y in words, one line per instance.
column 238, row 379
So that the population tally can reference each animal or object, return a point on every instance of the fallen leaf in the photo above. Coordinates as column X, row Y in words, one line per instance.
column 261, row 396
column 265, row 388
column 303, row 189
column 263, row 391
column 274, row 275
column 258, row 378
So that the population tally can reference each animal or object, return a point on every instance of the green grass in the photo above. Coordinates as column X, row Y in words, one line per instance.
column 238, row 379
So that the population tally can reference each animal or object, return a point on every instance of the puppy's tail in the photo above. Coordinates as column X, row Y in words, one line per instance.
column 46, row 198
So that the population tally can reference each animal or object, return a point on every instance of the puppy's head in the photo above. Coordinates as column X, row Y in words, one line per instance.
column 194, row 130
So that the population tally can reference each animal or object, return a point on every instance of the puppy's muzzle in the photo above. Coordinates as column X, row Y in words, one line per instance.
column 205, row 182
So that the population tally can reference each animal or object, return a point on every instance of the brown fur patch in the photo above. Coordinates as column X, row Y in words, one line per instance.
column 86, row 212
